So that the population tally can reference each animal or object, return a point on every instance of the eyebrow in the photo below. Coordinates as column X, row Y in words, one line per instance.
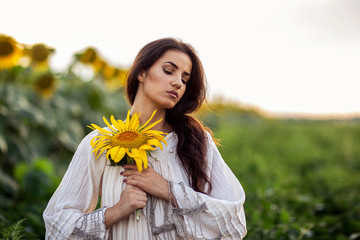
column 175, row 66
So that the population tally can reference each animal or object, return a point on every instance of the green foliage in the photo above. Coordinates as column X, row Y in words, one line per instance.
column 301, row 177
column 14, row 232
column 38, row 137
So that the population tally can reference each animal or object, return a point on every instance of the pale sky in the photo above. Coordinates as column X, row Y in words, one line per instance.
column 283, row 56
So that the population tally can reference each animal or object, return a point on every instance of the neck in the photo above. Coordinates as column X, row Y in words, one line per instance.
column 146, row 110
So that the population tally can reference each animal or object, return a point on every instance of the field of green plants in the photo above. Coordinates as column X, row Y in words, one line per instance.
column 301, row 177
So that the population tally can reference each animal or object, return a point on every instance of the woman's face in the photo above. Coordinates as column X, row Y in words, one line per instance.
column 165, row 82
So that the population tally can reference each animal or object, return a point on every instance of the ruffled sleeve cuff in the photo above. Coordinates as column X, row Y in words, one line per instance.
column 92, row 225
column 198, row 216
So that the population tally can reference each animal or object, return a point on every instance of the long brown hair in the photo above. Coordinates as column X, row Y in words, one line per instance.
column 192, row 136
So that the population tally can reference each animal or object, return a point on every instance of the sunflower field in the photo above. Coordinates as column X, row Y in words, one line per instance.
column 301, row 177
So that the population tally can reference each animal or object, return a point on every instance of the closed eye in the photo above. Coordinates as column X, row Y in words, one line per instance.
column 186, row 77
column 167, row 71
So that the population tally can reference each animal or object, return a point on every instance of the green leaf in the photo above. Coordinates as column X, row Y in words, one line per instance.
column 285, row 216
column 20, row 170
column 44, row 165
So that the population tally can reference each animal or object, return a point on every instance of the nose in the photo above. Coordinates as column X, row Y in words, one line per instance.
column 177, row 82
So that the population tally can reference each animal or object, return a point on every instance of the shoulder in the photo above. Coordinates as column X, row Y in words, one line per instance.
column 211, row 141
column 211, row 147
column 87, row 139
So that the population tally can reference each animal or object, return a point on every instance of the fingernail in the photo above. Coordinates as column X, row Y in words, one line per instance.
column 125, row 180
column 122, row 173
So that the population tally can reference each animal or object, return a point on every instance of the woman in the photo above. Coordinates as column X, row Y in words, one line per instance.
column 187, row 192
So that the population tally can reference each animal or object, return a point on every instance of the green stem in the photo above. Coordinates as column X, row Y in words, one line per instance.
column 137, row 214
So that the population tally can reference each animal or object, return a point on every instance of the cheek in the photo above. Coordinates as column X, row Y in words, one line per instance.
column 157, row 77
column 152, row 82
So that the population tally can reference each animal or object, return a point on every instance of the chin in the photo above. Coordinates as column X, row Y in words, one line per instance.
column 169, row 106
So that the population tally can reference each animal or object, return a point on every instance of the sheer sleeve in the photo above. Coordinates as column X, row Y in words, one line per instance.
column 70, row 211
column 218, row 215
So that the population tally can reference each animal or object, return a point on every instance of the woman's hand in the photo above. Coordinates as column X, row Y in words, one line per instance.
column 148, row 180
column 131, row 199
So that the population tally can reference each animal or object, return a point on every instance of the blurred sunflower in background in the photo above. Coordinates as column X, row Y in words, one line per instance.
column 120, row 75
column 114, row 77
column 45, row 85
column 91, row 57
column 10, row 52
column 39, row 56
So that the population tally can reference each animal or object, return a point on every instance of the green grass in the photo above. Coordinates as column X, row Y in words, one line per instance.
column 301, row 177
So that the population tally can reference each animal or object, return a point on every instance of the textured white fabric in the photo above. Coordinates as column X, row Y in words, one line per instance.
column 218, row 215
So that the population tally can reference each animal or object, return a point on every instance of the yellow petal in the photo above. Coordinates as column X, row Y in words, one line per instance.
column 108, row 124
column 144, row 158
column 155, row 132
column 138, row 164
column 98, row 139
column 147, row 147
column 108, row 154
column 162, row 140
column 119, row 154
column 134, row 153
column 122, row 124
column 101, row 130
column 98, row 147
column 113, row 151
column 134, row 121
column 94, row 139
column 91, row 127
column 116, row 123
column 150, row 126
column 154, row 142
column 144, row 125
column 102, row 150
column 127, row 122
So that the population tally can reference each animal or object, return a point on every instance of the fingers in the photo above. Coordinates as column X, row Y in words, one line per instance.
column 135, row 197
column 127, row 173
column 130, row 167
column 136, row 191
column 136, row 181
column 131, row 170
column 148, row 180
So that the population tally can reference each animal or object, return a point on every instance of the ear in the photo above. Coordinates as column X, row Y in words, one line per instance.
column 141, row 76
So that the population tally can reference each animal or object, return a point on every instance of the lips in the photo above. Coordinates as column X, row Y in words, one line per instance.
column 173, row 94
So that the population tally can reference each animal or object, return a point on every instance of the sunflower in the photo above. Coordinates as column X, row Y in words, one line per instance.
column 108, row 72
column 39, row 55
column 88, row 56
column 45, row 85
column 120, row 75
column 127, row 138
column 114, row 78
column 91, row 57
column 10, row 52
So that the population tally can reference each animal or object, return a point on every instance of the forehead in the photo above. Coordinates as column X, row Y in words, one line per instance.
column 180, row 59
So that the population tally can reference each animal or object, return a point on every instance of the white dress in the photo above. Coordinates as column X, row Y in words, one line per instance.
column 219, row 215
